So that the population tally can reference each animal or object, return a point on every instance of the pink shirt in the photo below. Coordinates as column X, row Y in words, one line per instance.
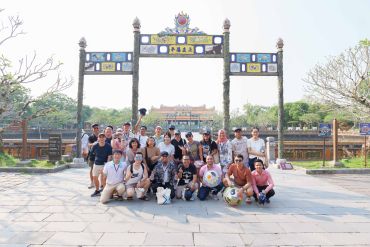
column 261, row 180
column 215, row 167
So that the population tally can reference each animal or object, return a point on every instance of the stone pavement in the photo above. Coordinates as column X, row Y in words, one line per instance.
column 57, row 210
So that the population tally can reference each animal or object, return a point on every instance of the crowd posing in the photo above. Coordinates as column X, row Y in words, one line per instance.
column 127, row 164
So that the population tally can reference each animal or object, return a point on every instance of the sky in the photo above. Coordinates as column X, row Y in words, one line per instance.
column 312, row 30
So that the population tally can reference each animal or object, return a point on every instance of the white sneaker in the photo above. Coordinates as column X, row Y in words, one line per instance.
column 91, row 186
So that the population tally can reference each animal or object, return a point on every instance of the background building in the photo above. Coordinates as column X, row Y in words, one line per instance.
column 185, row 117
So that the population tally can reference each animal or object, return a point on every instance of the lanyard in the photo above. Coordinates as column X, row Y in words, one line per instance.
column 115, row 167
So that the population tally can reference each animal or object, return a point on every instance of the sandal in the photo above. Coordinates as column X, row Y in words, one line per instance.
column 129, row 198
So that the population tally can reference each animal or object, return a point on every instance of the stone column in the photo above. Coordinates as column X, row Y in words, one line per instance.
column 24, row 139
column 270, row 149
column 226, row 79
column 280, row 45
column 80, row 93
column 335, row 162
column 135, row 71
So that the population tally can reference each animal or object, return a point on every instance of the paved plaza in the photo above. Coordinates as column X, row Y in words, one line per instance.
column 57, row 210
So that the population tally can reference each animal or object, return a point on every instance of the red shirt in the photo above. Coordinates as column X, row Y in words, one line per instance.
column 241, row 176
column 262, row 179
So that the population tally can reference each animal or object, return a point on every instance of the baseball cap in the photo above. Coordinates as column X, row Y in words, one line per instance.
column 94, row 125
column 177, row 132
column 164, row 153
column 101, row 134
column 188, row 134
column 172, row 127
column 237, row 129
column 206, row 132
column 158, row 127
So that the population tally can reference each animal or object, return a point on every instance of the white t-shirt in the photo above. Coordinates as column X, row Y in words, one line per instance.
column 114, row 173
column 256, row 145
column 142, row 140
column 170, row 149
column 84, row 143
column 240, row 147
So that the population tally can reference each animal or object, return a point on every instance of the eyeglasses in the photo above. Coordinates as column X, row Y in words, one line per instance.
column 238, row 160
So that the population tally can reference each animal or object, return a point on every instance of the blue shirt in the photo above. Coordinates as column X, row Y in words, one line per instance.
column 101, row 153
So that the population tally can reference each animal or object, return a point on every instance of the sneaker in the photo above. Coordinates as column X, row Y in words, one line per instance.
column 215, row 197
column 248, row 200
column 96, row 193
column 91, row 186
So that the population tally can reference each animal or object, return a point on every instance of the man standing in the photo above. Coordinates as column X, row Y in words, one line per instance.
column 179, row 144
column 187, row 176
column 240, row 145
column 240, row 176
column 127, row 135
column 163, row 175
column 103, row 154
column 205, row 190
column 158, row 137
column 141, row 134
column 93, row 138
column 113, row 173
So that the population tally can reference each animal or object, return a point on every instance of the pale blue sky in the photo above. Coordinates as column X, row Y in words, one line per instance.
column 312, row 31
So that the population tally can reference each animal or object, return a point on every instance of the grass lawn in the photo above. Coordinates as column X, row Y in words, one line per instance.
column 9, row 161
column 357, row 162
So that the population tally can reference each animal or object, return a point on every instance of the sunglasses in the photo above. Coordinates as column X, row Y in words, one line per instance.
column 238, row 160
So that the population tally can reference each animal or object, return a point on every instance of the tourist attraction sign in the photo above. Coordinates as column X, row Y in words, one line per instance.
column 324, row 130
column 365, row 129
column 113, row 63
column 253, row 64
column 55, row 147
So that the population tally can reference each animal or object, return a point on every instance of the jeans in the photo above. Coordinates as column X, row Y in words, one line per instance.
column 204, row 191
column 269, row 194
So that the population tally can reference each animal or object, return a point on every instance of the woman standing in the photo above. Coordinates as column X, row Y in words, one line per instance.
column 132, row 149
column 167, row 146
column 151, row 154
column 225, row 150
column 256, row 148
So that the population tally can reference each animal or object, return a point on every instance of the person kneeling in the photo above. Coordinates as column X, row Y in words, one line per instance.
column 163, row 174
column 210, row 176
column 187, row 176
column 262, row 183
column 113, row 173
column 241, row 178
column 137, row 180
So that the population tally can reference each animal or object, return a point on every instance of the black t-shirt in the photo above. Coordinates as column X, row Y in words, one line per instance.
column 187, row 174
column 208, row 147
column 108, row 140
column 101, row 153
column 177, row 145
column 92, row 138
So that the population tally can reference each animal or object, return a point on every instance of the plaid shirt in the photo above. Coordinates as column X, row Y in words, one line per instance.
column 158, row 173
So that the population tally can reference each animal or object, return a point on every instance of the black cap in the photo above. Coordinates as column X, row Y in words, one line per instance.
column 94, row 125
column 164, row 153
column 142, row 111
column 127, row 123
column 172, row 127
column 117, row 151
column 188, row 134
column 237, row 129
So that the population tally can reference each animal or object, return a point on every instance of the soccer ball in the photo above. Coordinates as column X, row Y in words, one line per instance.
column 211, row 179
column 232, row 197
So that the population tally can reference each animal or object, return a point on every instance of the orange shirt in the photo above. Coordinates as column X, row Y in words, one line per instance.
column 242, row 176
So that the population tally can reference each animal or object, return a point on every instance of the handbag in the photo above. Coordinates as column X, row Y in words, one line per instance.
column 163, row 196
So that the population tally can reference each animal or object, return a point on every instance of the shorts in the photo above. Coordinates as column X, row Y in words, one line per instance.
column 97, row 169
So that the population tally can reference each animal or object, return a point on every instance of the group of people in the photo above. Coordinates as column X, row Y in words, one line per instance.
column 132, row 164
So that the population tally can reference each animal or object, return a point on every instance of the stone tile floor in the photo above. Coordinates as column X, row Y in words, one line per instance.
column 57, row 210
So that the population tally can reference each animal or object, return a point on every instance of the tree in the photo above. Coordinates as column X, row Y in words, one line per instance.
column 343, row 82
column 14, row 78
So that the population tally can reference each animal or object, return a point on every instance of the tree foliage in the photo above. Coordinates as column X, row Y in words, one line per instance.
column 343, row 82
